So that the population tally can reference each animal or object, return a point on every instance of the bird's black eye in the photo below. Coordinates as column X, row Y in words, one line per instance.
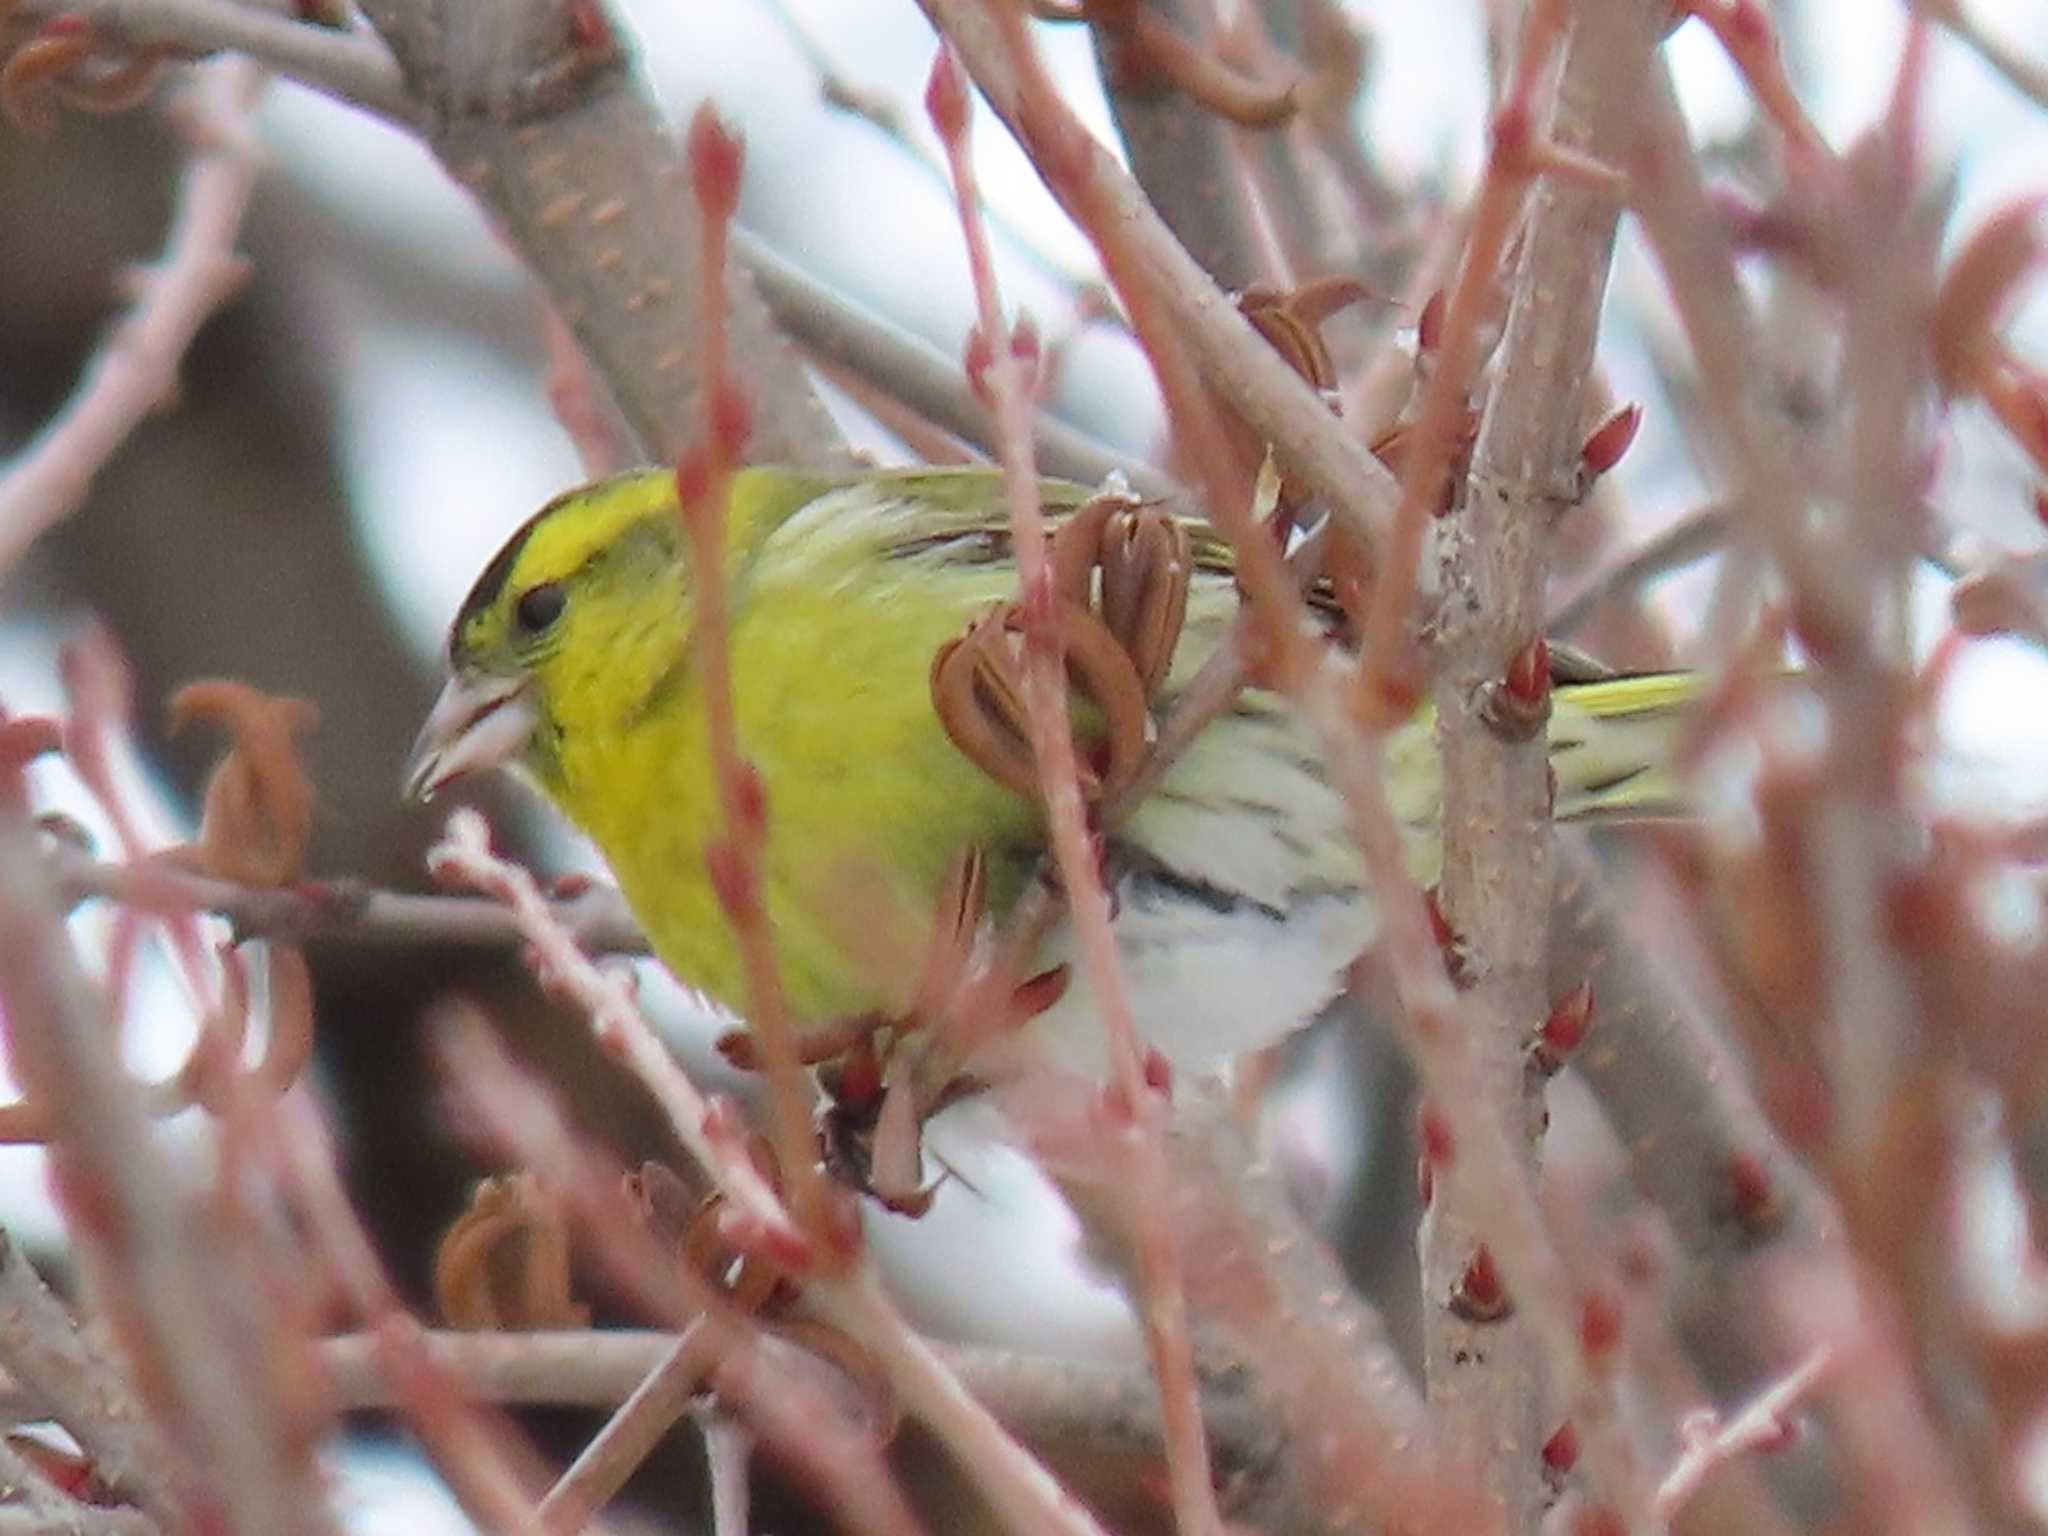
column 540, row 606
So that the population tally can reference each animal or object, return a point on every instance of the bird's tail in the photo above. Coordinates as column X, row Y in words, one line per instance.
column 1614, row 745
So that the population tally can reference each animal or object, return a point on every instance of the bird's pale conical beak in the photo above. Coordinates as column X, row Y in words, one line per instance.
column 477, row 723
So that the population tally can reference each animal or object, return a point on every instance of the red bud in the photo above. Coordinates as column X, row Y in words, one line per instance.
column 1429, row 326
column 1566, row 1027
column 1510, row 134
column 1479, row 1296
column 732, row 422
column 860, row 1075
column 751, row 797
column 1439, row 925
column 1433, row 1134
column 976, row 360
column 1606, row 443
column 732, row 880
column 588, row 28
column 1599, row 1326
column 945, row 95
column 1561, row 1450
column 1752, row 1198
column 714, row 155
column 1037, row 993
column 738, row 1049
column 1528, row 677
column 693, row 482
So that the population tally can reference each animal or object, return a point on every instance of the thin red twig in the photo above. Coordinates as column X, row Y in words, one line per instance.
column 703, row 481
column 1163, row 1303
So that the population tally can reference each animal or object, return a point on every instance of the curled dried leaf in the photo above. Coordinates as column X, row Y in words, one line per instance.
column 504, row 1263
column 204, row 1076
column 1291, row 322
column 1076, row 546
column 1979, row 285
column 1290, row 333
column 29, row 78
column 749, row 1279
column 977, row 691
column 1147, row 565
column 258, row 809
column 115, row 86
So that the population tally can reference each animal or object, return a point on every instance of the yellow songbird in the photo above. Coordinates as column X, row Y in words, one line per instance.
column 1239, row 897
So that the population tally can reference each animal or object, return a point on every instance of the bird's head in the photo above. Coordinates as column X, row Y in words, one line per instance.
column 575, row 623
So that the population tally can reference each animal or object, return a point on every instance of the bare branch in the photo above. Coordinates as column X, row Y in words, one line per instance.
column 1183, row 157
column 65, row 1375
column 1140, row 1108
column 136, row 371
column 351, row 66
column 2028, row 76
column 338, row 911
column 600, row 1470
column 540, row 114
column 1101, row 196
column 837, row 330
column 1496, row 880
column 191, row 1315
column 466, row 855
column 1762, row 1425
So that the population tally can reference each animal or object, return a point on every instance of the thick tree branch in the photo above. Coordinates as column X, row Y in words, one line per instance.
column 59, row 1372
column 536, row 109
column 351, row 66
column 1484, row 1378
